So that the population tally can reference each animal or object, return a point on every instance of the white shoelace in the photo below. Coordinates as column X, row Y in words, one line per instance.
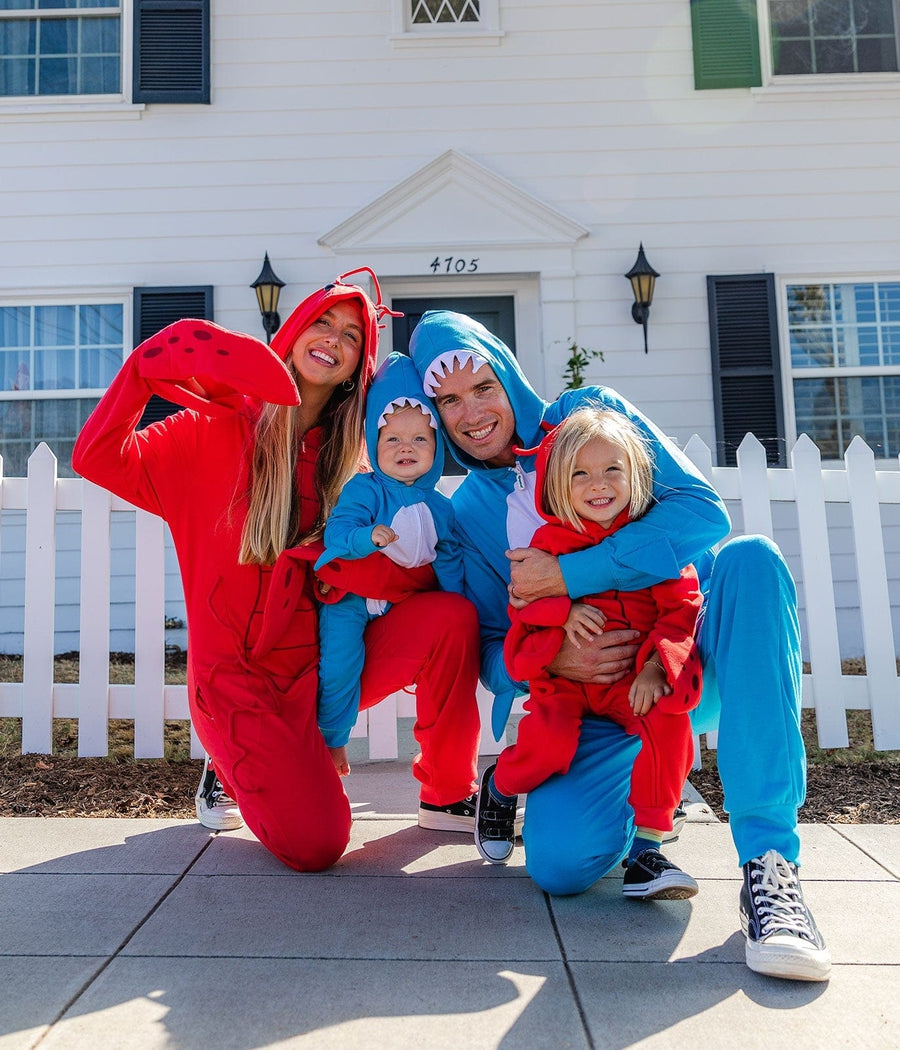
column 776, row 894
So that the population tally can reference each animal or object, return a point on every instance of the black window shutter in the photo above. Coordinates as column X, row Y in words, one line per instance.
column 726, row 44
column 746, row 367
column 154, row 308
column 171, row 51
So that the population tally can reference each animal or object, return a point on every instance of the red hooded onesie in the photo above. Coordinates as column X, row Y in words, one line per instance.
column 252, row 629
column 666, row 616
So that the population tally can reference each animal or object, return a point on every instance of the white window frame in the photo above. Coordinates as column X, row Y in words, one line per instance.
column 822, row 81
column 117, row 104
column 484, row 32
column 73, row 297
column 789, row 373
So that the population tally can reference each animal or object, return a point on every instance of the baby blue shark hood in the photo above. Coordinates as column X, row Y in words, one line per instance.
column 396, row 384
column 443, row 340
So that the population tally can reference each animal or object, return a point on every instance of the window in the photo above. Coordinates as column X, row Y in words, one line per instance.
column 60, row 47
column 438, row 22
column 799, row 38
column 55, row 362
column 845, row 364
column 833, row 36
column 431, row 12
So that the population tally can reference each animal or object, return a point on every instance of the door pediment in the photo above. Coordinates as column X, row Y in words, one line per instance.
column 454, row 200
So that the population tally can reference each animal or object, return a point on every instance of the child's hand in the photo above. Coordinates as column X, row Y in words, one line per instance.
column 583, row 621
column 648, row 688
column 341, row 762
column 382, row 535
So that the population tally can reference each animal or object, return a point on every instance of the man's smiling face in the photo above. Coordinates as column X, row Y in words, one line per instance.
column 477, row 415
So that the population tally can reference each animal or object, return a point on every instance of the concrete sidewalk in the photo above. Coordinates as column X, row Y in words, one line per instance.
column 157, row 933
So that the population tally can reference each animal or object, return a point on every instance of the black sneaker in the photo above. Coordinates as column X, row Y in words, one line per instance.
column 782, row 937
column 651, row 877
column 215, row 809
column 460, row 816
column 495, row 823
column 679, row 819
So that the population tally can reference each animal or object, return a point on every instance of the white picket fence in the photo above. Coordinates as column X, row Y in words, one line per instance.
column 37, row 700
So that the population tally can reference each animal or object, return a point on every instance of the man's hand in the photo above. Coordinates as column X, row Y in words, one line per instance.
column 341, row 762
column 605, row 660
column 533, row 574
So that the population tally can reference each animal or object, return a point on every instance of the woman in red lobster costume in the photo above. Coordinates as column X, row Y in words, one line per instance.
column 245, row 477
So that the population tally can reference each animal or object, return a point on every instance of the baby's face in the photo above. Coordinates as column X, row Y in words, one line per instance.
column 406, row 445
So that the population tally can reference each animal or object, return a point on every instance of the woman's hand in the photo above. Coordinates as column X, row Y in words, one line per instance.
column 606, row 659
column 196, row 362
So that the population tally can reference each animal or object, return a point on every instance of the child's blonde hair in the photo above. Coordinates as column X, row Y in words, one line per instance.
column 583, row 426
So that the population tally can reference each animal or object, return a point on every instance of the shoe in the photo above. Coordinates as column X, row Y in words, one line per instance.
column 679, row 819
column 651, row 877
column 495, row 823
column 782, row 937
column 215, row 810
column 460, row 816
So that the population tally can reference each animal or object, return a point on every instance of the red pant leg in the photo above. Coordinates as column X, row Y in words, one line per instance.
column 431, row 639
column 662, row 764
column 547, row 738
column 270, row 756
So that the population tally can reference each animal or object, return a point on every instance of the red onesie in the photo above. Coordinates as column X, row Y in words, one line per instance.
column 253, row 635
column 666, row 615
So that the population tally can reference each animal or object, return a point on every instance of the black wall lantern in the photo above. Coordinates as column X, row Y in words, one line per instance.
column 643, row 280
column 268, row 287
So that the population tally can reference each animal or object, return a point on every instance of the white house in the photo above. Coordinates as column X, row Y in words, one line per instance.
column 503, row 157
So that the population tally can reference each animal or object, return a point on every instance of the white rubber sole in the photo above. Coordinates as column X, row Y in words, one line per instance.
column 788, row 961
column 219, row 818
column 436, row 820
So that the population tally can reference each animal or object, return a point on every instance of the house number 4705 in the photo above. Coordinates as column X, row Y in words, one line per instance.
column 450, row 264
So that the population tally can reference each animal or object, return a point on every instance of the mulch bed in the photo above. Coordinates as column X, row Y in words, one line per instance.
column 51, row 786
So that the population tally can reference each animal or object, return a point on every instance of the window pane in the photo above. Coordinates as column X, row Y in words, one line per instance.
column 15, row 326
column 98, row 367
column 834, row 56
column 99, row 76
column 54, row 326
column 812, row 348
column 54, row 369
column 831, row 17
column 889, row 302
column 15, row 373
column 809, row 304
column 100, row 324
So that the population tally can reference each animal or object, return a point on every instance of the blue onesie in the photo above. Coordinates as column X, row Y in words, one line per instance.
column 424, row 522
column 578, row 826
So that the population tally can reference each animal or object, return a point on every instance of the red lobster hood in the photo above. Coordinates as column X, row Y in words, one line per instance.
column 313, row 306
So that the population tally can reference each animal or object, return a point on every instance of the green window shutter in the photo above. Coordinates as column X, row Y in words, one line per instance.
column 171, row 51
column 154, row 308
column 746, row 367
column 726, row 44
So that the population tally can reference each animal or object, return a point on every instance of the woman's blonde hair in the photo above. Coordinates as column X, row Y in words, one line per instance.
column 583, row 426
column 273, row 517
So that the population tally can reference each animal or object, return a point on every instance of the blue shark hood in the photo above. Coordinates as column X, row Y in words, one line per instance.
column 443, row 340
column 396, row 384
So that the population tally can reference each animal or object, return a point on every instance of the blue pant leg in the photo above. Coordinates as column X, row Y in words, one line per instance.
column 342, row 654
column 750, row 644
column 579, row 825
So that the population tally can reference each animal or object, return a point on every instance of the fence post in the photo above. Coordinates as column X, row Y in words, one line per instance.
column 149, row 636
column 93, row 632
column 756, row 509
column 874, row 600
column 40, row 602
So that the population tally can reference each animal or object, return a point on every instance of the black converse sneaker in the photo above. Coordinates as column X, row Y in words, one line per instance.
column 460, row 816
column 782, row 937
column 215, row 810
column 651, row 877
column 495, row 823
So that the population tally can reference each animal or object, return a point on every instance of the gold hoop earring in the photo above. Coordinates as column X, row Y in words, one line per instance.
column 348, row 385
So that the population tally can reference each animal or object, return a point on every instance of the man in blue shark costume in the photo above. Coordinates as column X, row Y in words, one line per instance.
column 578, row 825
column 422, row 519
